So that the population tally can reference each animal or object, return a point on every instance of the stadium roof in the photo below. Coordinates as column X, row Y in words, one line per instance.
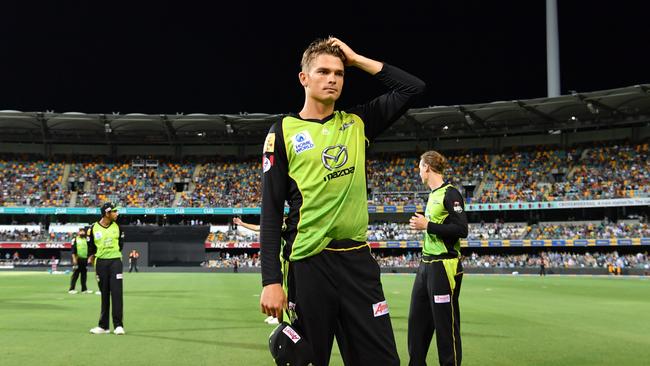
column 629, row 106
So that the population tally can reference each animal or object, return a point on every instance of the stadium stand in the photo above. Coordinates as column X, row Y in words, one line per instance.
column 546, row 177
column 539, row 174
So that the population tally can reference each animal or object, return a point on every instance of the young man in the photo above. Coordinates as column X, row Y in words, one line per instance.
column 79, row 262
column 315, row 161
column 434, row 299
column 105, row 244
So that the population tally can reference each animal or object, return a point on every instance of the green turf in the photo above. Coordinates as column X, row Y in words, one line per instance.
column 213, row 319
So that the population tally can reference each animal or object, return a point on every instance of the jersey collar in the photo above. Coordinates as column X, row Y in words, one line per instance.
column 444, row 184
column 320, row 121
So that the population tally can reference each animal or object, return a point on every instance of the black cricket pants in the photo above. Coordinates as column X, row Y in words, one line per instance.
column 80, row 271
column 340, row 293
column 109, row 278
column 133, row 265
column 434, row 309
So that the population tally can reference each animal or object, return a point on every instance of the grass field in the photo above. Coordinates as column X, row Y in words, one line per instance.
column 213, row 319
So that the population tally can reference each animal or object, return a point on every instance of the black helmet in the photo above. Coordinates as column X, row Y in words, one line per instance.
column 108, row 207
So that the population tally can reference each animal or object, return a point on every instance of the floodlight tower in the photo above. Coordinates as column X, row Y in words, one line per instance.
column 552, row 50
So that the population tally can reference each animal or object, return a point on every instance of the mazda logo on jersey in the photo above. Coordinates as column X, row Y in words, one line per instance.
column 334, row 157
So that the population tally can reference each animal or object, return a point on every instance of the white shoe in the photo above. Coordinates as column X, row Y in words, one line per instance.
column 99, row 330
column 119, row 331
column 88, row 292
column 73, row 292
column 98, row 292
column 274, row 321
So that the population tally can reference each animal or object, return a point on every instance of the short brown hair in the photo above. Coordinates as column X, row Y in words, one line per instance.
column 319, row 47
column 435, row 161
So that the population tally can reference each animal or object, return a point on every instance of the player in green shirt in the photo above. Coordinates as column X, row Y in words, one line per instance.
column 79, row 262
column 105, row 244
column 315, row 161
column 434, row 299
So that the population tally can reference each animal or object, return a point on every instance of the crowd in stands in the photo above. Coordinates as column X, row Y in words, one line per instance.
column 558, row 260
column 226, row 260
column 15, row 259
column 393, row 231
column 496, row 230
column 613, row 172
column 589, row 230
column 394, row 180
column 225, row 184
column 129, row 184
column 595, row 172
column 474, row 260
column 33, row 236
column 28, row 181
column 525, row 174
column 396, row 231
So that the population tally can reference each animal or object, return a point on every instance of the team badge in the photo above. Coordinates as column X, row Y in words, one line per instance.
column 267, row 163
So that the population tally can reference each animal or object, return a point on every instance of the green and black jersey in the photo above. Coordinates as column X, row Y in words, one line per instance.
column 447, row 222
column 318, row 168
column 105, row 242
column 80, row 247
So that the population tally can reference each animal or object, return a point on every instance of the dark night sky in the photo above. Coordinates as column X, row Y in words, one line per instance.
column 191, row 58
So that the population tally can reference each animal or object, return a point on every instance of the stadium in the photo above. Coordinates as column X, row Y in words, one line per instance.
column 556, row 193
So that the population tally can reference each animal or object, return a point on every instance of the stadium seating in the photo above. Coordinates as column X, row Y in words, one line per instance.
column 519, row 175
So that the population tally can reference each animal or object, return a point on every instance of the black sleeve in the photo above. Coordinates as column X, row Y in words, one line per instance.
column 92, row 248
column 74, row 246
column 275, row 177
column 381, row 112
column 120, row 241
column 455, row 225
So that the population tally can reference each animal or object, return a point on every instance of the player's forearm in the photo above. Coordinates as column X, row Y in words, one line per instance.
column 250, row 226
column 401, row 81
column 367, row 64
column 270, row 258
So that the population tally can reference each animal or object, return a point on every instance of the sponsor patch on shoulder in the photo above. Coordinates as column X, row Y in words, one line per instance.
column 441, row 299
column 269, row 143
column 457, row 207
column 289, row 332
column 380, row 308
